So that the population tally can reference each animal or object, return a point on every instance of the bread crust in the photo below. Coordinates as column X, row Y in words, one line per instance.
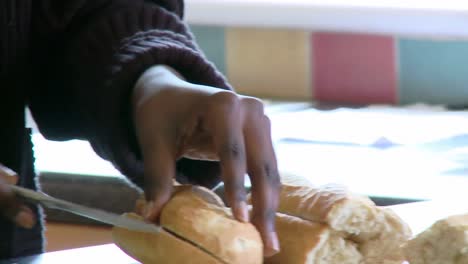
column 377, row 231
column 306, row 242
column 297, row 239
column 212, row 227
column 163, row 247
column 196, row 214
column 334, row 205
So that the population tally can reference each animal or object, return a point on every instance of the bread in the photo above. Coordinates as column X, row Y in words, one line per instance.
column 212, row 227
column 203, row 193
column 335, row 206
column 445, row 242
column 326, row 224
column 196, row 214
column 160, row 248
column 306, row 242
column 377, row 231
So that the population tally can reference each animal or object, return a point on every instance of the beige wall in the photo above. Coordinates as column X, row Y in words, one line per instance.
column 269, row 63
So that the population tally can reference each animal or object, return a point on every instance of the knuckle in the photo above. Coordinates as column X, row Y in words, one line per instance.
column 225, row 100
column 254, row 106
column 239, row 194
column 232, row 150
column 269, row 173
column 266, row 122
column 272, row 175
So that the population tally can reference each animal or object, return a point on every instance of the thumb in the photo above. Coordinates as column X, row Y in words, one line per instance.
column 8, row 175
column 12, row 208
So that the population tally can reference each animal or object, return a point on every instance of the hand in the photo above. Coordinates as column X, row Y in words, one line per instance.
column 175, row 119
column 10, row 207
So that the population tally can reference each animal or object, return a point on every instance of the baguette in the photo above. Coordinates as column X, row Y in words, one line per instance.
column 213, row 228
column 334, row 205
column 196, row 214
column 163, row 247
column 378, row 232
column 306, row 242
column 203, row 193
column 445, row 242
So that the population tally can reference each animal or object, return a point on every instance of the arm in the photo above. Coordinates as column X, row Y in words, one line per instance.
column 180, row 110
column 91, row 69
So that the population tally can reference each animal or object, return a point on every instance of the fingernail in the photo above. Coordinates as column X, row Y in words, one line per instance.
column 243, row 214
column 149, row 210
column 272, row 245
column 25, row 219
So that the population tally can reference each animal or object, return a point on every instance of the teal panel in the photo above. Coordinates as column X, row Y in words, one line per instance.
column 433, row 71
column 211, row 40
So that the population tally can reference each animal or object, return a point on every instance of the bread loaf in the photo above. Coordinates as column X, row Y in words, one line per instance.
column 203, row 193
column 164, row 247
column 196, row 214
column 445, row 242
column 335, row 206
column 212, row 227
column 317, row 225
column 377, row 231
column 306, row 242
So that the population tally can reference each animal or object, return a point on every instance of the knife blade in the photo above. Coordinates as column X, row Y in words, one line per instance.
column 88, row 212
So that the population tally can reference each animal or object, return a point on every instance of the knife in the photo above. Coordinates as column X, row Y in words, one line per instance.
column 92, row 213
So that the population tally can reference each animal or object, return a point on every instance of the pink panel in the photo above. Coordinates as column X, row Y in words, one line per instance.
column 354, row 68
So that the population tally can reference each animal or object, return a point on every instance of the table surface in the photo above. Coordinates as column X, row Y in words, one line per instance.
column 108, row 253
column 419, row 215
column 385, row 152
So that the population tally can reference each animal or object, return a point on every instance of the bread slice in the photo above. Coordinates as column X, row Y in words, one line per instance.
column 164, row 247
column 195, row 215
column 306, row 242
column 335, row 206
column 212, row 227
column 445, row 242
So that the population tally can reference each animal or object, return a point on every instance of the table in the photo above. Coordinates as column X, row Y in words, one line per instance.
column 419, row 215
column 108, row 253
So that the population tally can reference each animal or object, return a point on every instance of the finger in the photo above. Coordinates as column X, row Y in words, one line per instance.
column 159, row 167
column 8, row 175
column 263, row 172
column 233, row 170
column 11, row 208
column 228, row 139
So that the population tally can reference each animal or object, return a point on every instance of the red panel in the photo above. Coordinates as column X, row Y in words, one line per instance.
column 354, row 68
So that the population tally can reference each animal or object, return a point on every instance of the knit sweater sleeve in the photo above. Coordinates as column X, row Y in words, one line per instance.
column 86, row 81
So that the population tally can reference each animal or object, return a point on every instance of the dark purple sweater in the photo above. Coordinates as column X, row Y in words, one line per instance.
column 74, row 63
